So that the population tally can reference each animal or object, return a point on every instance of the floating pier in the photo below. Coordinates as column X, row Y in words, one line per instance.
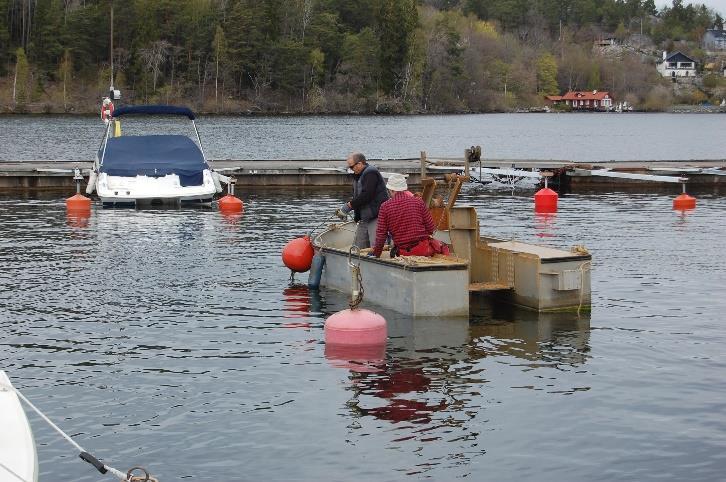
column 29, row 175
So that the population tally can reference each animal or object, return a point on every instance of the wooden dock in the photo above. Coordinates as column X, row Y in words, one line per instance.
column 56, row 175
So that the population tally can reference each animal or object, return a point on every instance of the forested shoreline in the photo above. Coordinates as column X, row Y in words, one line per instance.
column 338, row 56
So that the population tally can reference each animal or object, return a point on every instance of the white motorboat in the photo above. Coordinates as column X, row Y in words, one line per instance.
column 152, row 169
column 18, row 457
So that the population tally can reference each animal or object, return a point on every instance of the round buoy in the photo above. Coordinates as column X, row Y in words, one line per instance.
column 545, row 201
column 356, row 340
column 684, row 201
column 78, row 203
column 231, row 204
column 298, row 254
column 355, row 327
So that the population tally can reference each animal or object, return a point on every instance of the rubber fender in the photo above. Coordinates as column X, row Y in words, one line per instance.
column 91, row 186
column 316, row 271
column 217, row 184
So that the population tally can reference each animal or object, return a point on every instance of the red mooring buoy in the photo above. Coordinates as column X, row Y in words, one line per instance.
column 78, row 203
column 298, row 254
column 545, row 200
column 230, row 204
column 684, row 202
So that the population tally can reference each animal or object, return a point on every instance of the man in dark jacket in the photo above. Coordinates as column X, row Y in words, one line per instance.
column 369, row 192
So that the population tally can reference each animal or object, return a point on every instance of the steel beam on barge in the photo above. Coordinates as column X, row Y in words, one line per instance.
column 501, row 171
column 628, row 175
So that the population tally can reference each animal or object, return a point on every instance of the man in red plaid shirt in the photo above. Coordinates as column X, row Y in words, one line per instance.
column 408, row 221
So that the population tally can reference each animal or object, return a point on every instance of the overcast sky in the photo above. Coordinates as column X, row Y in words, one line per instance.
column 718, row 5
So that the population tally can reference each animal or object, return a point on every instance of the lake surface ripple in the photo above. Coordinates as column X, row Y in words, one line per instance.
column 159, row 338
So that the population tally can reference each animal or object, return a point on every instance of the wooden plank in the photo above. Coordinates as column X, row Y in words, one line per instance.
column 489, row 286
column 429, row 187
column 441, row 218
column 455, row 191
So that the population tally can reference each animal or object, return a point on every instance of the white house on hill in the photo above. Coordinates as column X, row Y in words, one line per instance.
column 714, row 40
column 676, row 65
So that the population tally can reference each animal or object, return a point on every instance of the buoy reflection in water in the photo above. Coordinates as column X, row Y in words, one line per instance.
column 300, row 301
column 545, row 224
column 78, row 219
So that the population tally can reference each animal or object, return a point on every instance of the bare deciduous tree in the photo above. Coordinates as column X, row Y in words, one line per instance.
column 154, row 57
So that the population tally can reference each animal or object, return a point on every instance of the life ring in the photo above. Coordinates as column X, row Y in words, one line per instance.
column 106, row 110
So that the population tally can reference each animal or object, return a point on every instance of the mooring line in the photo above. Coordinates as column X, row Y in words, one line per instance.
column 84, row 455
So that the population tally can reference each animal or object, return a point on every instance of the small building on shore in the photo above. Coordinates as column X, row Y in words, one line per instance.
column 714, row 40
column 676, row 65
column 583, row 100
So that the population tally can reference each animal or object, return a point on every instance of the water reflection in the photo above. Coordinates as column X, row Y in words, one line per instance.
column 78, row 219
column 545, row 225
column 300, row 301
column 398, row 387
column 554, row 338
column 433, row 364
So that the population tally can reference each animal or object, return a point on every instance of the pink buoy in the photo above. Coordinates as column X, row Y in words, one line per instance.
column 355, row 327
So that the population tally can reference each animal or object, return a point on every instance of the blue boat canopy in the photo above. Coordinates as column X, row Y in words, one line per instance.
column 154, row 110
column 154, row 155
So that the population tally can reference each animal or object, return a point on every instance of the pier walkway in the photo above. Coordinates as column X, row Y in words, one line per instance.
column 51, row 174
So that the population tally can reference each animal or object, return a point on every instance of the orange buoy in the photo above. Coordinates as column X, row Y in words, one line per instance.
column 230, row 204
column 298, row 254
column 684, row 202
column 545, row 201
column 78, row 203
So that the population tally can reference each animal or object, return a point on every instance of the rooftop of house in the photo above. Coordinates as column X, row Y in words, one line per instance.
column 678, row 57
column 586, row 95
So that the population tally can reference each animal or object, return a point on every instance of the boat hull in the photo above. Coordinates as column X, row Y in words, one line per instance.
column 152, row 191
column 18, row 456
column 419, row 290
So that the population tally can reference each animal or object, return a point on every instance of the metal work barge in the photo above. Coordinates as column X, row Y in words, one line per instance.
column 532, row 276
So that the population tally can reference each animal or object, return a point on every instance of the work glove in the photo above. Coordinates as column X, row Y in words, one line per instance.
column 342, row 212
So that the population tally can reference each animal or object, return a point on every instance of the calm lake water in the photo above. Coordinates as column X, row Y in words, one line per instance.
column 574, row 137
column 158, row 338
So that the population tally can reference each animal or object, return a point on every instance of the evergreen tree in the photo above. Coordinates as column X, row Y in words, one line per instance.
column 397, row 20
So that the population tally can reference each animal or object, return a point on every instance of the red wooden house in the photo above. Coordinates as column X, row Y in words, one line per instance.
column 583, row 100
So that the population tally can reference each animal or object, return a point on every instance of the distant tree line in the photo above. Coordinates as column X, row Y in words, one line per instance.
column 329, row 55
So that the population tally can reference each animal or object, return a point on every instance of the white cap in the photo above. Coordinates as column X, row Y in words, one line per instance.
column 397, row 182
